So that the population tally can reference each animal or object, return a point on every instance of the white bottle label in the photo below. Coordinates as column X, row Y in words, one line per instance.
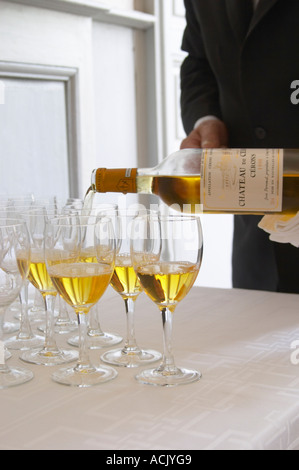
column 242, row 180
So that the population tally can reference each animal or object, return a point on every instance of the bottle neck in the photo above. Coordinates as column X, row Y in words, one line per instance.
column 119, row 180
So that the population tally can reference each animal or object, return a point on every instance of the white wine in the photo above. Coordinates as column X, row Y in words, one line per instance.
column 38, row 273
column 81, row 285
column 124, row 279
column 167, row 283
column 253, row 181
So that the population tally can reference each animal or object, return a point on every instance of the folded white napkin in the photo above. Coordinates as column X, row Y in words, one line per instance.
column 282, row 228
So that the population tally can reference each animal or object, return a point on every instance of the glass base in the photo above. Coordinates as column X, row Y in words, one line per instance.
column 61, row 327
column 7, row 355
column 10, row 327
column 20, row 344
column 36, row 317
column 13, row 376
column 98, row 341
column 84, row 377
column 48, row 358
column 131, row 358
column 168, row 378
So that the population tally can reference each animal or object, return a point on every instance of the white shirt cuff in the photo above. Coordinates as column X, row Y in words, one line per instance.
column 204, row 119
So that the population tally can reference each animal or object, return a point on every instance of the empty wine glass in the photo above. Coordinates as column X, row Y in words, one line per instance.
column 80, row 254
column 166, row 252
column 126, row 283
column 14, row 265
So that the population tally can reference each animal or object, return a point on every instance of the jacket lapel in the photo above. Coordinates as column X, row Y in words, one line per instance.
column 240, row 13
column 262, row 9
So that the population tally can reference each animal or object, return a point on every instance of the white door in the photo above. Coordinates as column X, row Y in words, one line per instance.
column 74, row 91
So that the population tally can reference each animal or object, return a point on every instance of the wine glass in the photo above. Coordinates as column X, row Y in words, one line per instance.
column 96, row 337
column 25, row 338
column 14, row 265
column 175, row 243
column 49, row 354
column 80, row 254
column 126, row 283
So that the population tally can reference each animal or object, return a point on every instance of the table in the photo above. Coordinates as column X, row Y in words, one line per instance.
column 248, row 397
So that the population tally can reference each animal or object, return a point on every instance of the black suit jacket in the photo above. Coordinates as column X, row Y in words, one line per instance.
column 246, row 82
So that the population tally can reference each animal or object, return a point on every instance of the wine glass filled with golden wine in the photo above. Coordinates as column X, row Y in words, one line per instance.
column 49, row 354
column 126, row 283
column 166, row 252
column 97, row 338
column 80, row 255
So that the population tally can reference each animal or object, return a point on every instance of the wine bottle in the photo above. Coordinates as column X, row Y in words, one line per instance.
column 249, row 181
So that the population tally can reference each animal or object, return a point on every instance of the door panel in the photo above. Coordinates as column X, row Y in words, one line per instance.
column 33, row 138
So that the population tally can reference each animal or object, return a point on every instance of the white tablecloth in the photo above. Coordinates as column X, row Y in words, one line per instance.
column 248, row 397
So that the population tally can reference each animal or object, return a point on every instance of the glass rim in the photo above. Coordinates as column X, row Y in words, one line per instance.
column 134, row 212
column 25, row 209
column 56, row 221
column 170, row 217
column 11, row 222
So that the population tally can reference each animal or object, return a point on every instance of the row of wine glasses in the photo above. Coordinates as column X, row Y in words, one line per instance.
column 80, row 254
column 14, row 241
column 35, row 212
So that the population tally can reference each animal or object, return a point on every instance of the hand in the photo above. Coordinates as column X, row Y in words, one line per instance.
column 209, row 134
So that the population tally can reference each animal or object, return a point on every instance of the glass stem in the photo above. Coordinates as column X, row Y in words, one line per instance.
column 3, row 366
column 50, row 343
column 63, row 316
column 38, row 303
column 25, row 328
column 130, row 344
column 168, row 364
column 83, row 362
column 94, row 323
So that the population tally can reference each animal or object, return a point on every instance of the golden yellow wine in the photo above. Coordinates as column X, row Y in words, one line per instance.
column 181, row 190
column 23, row 265
column 38, row 273
column 81, row 285
column 248, row 181
column 124, row 279
column 167, row 283
column 185, row 192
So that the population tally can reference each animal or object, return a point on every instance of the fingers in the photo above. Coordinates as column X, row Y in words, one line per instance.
column 213, row 134
column 192, row 141
column 210, row 134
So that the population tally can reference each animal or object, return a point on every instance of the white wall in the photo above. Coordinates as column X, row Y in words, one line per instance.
column 117, row 63
column 39, row 43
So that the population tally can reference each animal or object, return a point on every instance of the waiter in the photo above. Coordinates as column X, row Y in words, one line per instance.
column 237, row 90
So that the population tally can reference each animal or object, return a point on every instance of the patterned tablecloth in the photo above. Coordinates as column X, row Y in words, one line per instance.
column 245, row 343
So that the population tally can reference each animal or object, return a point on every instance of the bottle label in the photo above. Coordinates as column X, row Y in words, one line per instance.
column 242, row 180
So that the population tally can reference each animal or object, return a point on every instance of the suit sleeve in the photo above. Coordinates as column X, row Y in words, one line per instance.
column 199, row 89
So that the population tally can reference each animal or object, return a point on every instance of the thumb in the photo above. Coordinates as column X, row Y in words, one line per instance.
column 213, row 134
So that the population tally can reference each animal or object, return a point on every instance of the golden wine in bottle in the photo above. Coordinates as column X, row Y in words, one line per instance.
column 254, row 181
